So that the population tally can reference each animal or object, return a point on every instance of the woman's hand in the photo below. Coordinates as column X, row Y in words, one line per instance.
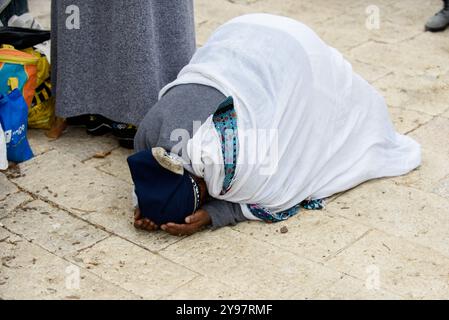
column 194, row 223
column 142, row 223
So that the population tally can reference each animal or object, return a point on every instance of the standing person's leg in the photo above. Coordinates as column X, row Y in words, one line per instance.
column 118, row 58
column 439, row 21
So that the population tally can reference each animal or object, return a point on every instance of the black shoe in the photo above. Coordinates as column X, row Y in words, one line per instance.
column 78, row 121
column 125, row 134
column 98, row 125
column 95, row 124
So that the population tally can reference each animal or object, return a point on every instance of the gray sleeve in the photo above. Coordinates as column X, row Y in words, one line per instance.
column 223, row 213
column 180, row 108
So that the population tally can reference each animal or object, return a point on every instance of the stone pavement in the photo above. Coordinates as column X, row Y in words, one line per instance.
column 66, row 232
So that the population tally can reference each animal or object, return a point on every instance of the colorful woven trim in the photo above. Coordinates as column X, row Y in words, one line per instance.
column 225, row 121
column 271, row 217
column 196, row 194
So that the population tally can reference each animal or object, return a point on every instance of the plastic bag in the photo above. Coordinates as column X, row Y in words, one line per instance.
column 42, row 109
column 14, row 121
column 18, row 70
column 25, row 20
column 3, row 158
column 43, row 66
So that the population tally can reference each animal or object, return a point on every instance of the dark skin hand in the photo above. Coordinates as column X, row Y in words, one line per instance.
column 142, row 223
column 194, row 223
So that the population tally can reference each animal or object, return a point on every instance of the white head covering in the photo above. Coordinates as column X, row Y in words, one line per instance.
column 331, row 129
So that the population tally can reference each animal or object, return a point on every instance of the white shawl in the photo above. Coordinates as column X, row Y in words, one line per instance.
column 308, row 126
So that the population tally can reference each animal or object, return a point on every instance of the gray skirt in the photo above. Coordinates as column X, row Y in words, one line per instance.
column 119, row 58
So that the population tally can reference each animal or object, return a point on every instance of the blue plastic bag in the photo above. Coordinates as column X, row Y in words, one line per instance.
column 14, row 121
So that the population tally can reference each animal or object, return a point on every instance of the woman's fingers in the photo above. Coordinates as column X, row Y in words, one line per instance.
column 194, row 223
column 148, row 225
column 138, row 224
column 201, row 217
column 192, row 219
column 180, row 230
column 137, row 214
column 145, row 224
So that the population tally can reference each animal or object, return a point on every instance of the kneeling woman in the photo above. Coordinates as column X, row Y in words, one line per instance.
column 297, row 125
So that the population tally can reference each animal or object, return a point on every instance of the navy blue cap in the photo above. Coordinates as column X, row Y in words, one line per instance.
column 165, row 193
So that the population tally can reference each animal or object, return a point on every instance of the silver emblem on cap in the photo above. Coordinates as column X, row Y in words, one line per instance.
column 167, row 161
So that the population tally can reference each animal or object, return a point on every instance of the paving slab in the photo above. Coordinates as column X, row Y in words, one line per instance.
column 435, row 151
column 406, row 121
column 6, row 187
column 387, row 262
column 446, row 114
column 92, row 195
column 312, row 14
column 409, row 213
column 415, row 92
column 316, row 235
column 54, row 230
column 349, row 288
column 74, row 141
column 259, row 269
column 397, row 21
column 114, row 164
column 39, row 142
column 442, row 188
column 13, row 201
column 64, row 180
column 410, row 57
column 30, row 272
column 10, row 197
column 40, row 10
column 209, row 17
column 369, row 72
column 205, row 288
column 139, row 271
